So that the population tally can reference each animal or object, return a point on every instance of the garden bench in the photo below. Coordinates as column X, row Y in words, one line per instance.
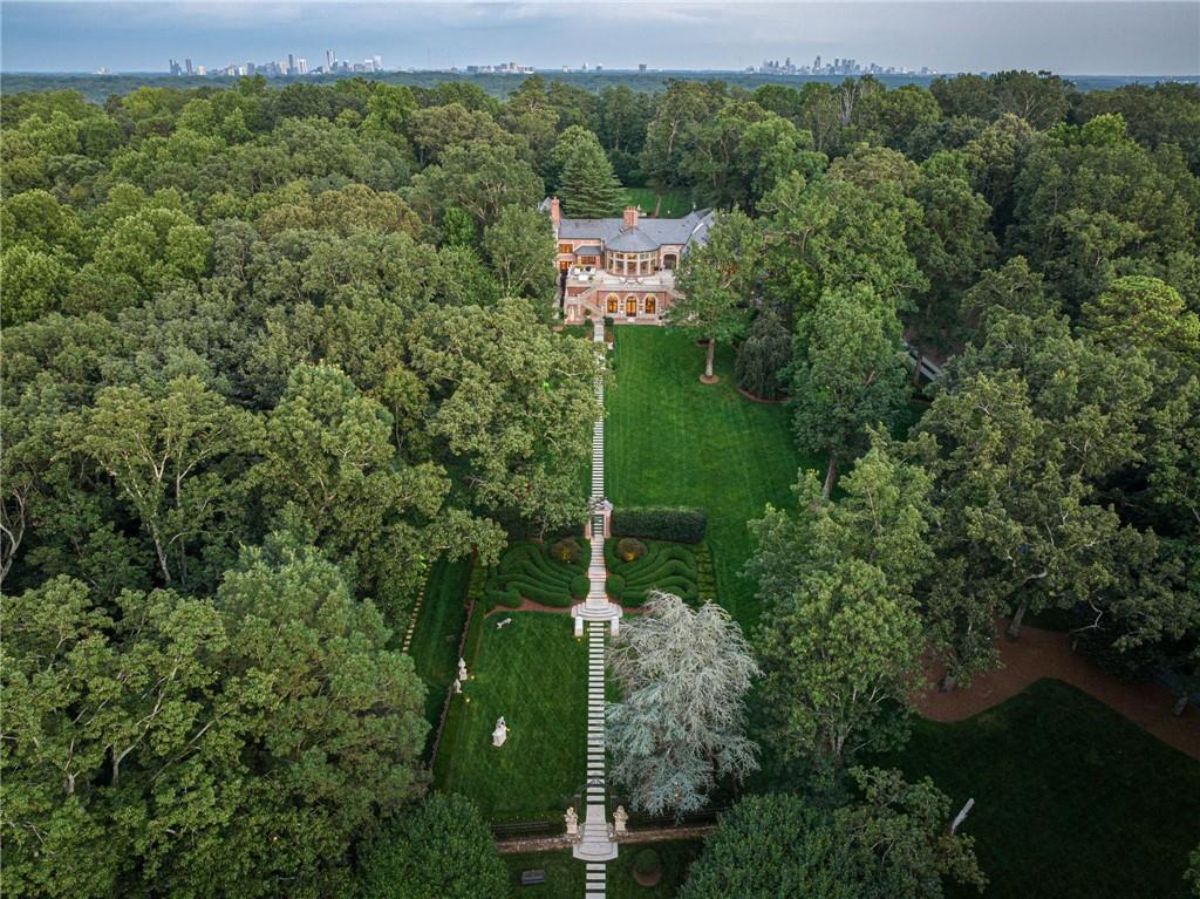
column 533, row 877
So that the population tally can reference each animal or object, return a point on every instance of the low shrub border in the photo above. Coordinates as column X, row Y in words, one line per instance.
column 680, row 525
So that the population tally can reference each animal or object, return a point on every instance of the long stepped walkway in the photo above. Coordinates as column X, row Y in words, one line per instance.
column 596, row 846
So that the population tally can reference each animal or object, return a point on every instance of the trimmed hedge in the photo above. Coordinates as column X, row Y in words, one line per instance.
column 580, row 585
column 680, row 525
column 615, row 585
column 706, row 575
column 630, row 549
column 528, row 570
column 665, row 566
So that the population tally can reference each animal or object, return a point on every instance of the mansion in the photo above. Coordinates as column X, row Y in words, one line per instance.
column 624, row 267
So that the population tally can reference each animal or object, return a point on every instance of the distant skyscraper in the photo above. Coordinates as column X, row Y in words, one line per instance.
column 641, row 67
column 378, row 60
column 291, row 66
column 817, row 63
column 302, row 66
column 330, row 59
column 187, row 64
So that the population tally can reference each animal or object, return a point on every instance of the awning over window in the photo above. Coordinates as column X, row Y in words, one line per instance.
column 590, row 250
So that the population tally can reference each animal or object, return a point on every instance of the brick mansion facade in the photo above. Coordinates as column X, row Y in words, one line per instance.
column 622, row 267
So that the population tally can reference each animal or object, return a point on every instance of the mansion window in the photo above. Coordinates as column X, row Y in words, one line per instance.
column 631, row 264
column 651, row 305
column 613, row 303
column 588, row 260
column 565, row 248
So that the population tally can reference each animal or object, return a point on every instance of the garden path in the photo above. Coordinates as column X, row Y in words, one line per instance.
column 1041, row 653
column 596, row 846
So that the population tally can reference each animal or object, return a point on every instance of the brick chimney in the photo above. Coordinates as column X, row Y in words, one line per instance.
column 631, row 218
column 555, row 213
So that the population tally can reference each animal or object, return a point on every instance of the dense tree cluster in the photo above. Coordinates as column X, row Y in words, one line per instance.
column 269, row 353
column 267, row 356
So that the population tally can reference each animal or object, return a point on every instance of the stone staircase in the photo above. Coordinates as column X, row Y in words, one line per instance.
column 596, row 845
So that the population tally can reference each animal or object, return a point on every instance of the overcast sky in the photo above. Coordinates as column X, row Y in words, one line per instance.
column 1130, row 38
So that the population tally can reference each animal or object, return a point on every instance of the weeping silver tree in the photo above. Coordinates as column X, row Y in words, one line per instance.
column 684, row 674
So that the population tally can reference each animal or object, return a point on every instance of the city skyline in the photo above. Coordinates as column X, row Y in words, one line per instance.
column 1158, row 38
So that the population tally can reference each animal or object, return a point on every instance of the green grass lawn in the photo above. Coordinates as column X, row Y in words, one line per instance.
column 1071, row 800
column 675, row 203
column 534, row 673
column 435, row 640
column 676, row 442
column 565, row 875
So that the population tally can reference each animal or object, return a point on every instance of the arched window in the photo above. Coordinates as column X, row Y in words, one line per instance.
column 613, row 303
column 670, row 260
column 631, row 305
column 651, row 305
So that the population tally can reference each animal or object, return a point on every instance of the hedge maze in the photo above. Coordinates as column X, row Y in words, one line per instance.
column 664, row 566
column 553, row 574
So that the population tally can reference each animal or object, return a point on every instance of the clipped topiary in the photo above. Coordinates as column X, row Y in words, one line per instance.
column 630, row 549
column 615, row 585
column 647, row 869
column 566, row 550
column 579, row 586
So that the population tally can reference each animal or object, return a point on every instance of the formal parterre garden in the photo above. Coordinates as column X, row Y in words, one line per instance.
column 549, row 573
column 637, row 566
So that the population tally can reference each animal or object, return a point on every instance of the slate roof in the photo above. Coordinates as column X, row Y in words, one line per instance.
column 650, row 233
column 635, row 240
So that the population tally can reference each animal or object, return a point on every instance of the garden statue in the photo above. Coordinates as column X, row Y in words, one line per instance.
column 462, row 668
column 457, row 686
column 572, row 820
column 500, row 734
column 620, row 817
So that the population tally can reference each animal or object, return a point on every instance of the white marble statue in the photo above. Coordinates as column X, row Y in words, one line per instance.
column 620, row 817
column 500, row 734
column 501, row 624
column 457, row 686
column 462, row 669
column 572, row 820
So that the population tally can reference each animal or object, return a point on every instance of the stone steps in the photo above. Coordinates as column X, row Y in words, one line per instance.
column 595, row 847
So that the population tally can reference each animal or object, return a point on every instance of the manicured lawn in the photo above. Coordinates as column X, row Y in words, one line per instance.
column 1071, row 800
column 435, row 641
column 674, row 441
column 565, row 875
column 533, row 672
column 675, row 203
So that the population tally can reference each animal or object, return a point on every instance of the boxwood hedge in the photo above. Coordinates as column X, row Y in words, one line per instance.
column 530, row 570
column 665, row 566
column 680, row 525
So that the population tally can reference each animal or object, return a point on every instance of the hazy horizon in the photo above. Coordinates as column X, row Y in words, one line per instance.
column 1095, row 38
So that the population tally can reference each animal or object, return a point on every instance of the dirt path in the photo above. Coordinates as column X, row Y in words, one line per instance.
column 1041, row 653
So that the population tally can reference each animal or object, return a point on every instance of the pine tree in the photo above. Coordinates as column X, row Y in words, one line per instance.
column 589, row 188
